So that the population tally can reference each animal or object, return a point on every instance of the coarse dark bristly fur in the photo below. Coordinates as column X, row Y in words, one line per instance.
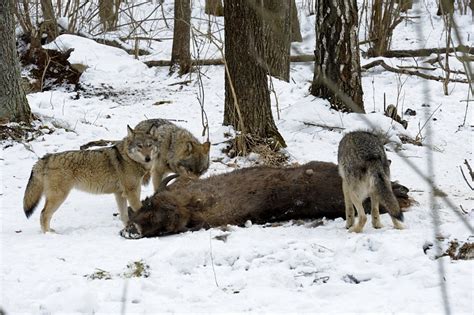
column 259, row 194
column 117, row 170
column 365, row 172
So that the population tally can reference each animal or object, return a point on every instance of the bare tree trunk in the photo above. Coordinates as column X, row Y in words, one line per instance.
column 247, row 97
column 214, row 7
column 295, row 24
column 405, row 5
column 108, row 14
column 445, row 7
column 337, row 66
column 180, row 54
column 277, row 37
column 13, row 103
column 49, row 25
column 385, row 16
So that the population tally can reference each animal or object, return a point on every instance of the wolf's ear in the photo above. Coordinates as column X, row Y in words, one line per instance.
column 152, row 130
column 129, row 131
column 189, row 147
column 206, row 145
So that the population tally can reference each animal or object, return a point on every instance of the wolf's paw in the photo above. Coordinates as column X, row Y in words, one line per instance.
column 130, row 232
column 377, row 224
column 356, row 229
column 398, row 225
column 349, row 223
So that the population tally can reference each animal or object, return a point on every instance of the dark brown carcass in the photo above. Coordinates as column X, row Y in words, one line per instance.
column 258, row 194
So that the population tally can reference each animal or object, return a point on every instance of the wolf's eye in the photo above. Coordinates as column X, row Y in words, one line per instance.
column 140, row 146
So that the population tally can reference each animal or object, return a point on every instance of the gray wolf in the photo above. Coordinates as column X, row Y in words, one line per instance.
column 365, row 172
column 259, row 194
column 178, row 150
column 114, row 170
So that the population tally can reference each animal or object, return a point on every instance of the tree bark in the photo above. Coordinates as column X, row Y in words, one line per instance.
column 277, row 37
column 295, row 24
column 214, row 7
column 49, row 25
column 337, row 65
column 180, row 54
column 247, row 97
column 108, row 14
column 13, row 103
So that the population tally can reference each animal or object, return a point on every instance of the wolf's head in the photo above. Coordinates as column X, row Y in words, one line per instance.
column 141, row 146
column 190, row 157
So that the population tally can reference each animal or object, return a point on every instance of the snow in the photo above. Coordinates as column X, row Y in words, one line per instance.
column 288, row 268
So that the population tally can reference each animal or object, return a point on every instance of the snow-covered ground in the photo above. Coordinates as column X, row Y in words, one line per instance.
column 288, row 268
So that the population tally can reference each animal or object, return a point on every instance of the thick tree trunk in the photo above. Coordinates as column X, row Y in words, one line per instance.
column 295, row 24
column 49, row 25
column 445, row 7
column 13, row 103
column 277, row 37
column 337, row 66
column 180, row 54
column 214, row 7
column 108, row 14
column 246, row 76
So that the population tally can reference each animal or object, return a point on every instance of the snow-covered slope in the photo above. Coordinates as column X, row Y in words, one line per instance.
column 287, row 268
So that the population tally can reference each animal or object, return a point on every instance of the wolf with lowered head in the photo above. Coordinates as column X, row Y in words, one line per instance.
column 178, row 150
column 117, row 170
column 365, row 172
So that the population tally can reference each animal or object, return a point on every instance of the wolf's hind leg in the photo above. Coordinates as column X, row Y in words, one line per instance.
column 375, row 213
column 348, row 205
column 362, row 218
column 54, row 199
column 397, row 224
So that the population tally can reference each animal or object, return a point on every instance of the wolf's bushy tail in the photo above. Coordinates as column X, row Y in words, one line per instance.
column 34, row 190
column 387, row 198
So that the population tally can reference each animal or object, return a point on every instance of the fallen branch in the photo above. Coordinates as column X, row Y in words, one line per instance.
column 470, row 170
column 465, row 179
column 118, row 44
column 219, row 62
column 426, row 52
column 409, row 72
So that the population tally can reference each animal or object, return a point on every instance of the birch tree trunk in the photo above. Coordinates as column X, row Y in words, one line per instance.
column 337, row 65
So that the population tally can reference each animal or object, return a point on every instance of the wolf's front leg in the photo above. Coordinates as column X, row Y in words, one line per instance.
column 133, row 197
column 122, row 206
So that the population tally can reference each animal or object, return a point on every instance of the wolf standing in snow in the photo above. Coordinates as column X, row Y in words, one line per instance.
column 117, row 170
column 179, row 151
column 365, row 172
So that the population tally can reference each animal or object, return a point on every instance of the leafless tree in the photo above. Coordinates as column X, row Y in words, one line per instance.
column 180, row 54
column 337, row 65
column 13, row 103
column 247, row 97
